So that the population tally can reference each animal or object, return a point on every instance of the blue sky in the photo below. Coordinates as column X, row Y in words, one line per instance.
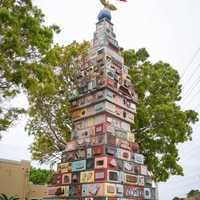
column 168, row 29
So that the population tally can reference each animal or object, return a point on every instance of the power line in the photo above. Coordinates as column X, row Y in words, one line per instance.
column 193, row 151
column 190, row 91
column 196, row 106
column 192, row 97
column 190, row 62
column 194, row 83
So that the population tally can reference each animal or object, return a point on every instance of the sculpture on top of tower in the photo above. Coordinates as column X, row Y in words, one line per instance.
column 108, row 5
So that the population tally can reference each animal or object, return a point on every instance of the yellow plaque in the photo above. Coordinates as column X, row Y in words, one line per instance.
column 87, row 177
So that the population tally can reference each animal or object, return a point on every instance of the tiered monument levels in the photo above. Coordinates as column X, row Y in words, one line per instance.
column 102, row 160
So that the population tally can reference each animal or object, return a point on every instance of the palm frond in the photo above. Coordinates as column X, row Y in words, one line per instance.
column 13, row 198
column 4, row 197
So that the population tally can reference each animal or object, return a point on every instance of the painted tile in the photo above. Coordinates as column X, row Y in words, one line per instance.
column 132, row 191
column 64, row 167
column 130, row 179
column 100, row 162
column 66, row 178
column 100, row 175
column 147, row 193
column 78, row 165
column 110, row 189
column 87, row 177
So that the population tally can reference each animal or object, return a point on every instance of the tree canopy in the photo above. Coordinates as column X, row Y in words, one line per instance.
column 160, row 123
column 177, row 198
column 159, row 126
column 49, row 117
column 193, row 193
column 24, row 40
column 40, row 176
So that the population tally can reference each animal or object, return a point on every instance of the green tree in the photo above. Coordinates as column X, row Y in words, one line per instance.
column 193, row 193
column 160, row 123
column 176, row 198
column 40, row 176
column 5, row 197
column 28, row 64
column 24, row 40
column 49, row 119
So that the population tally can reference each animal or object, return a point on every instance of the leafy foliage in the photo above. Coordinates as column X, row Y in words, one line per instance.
column 5, row 197
column 40, row 176
column 24, row 40
column 160, row 124
column 8, row 116
column 49, row 118
column 193, row 193
column 177, row 198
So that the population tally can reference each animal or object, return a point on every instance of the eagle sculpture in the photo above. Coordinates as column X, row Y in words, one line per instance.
column 108, row 5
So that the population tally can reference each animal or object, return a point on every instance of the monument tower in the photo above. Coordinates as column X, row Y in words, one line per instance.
column 102, row 160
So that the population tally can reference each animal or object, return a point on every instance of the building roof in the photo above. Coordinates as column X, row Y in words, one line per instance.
column 14, row 162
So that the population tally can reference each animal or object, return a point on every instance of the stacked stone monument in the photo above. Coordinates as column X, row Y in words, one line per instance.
column 102, row 160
